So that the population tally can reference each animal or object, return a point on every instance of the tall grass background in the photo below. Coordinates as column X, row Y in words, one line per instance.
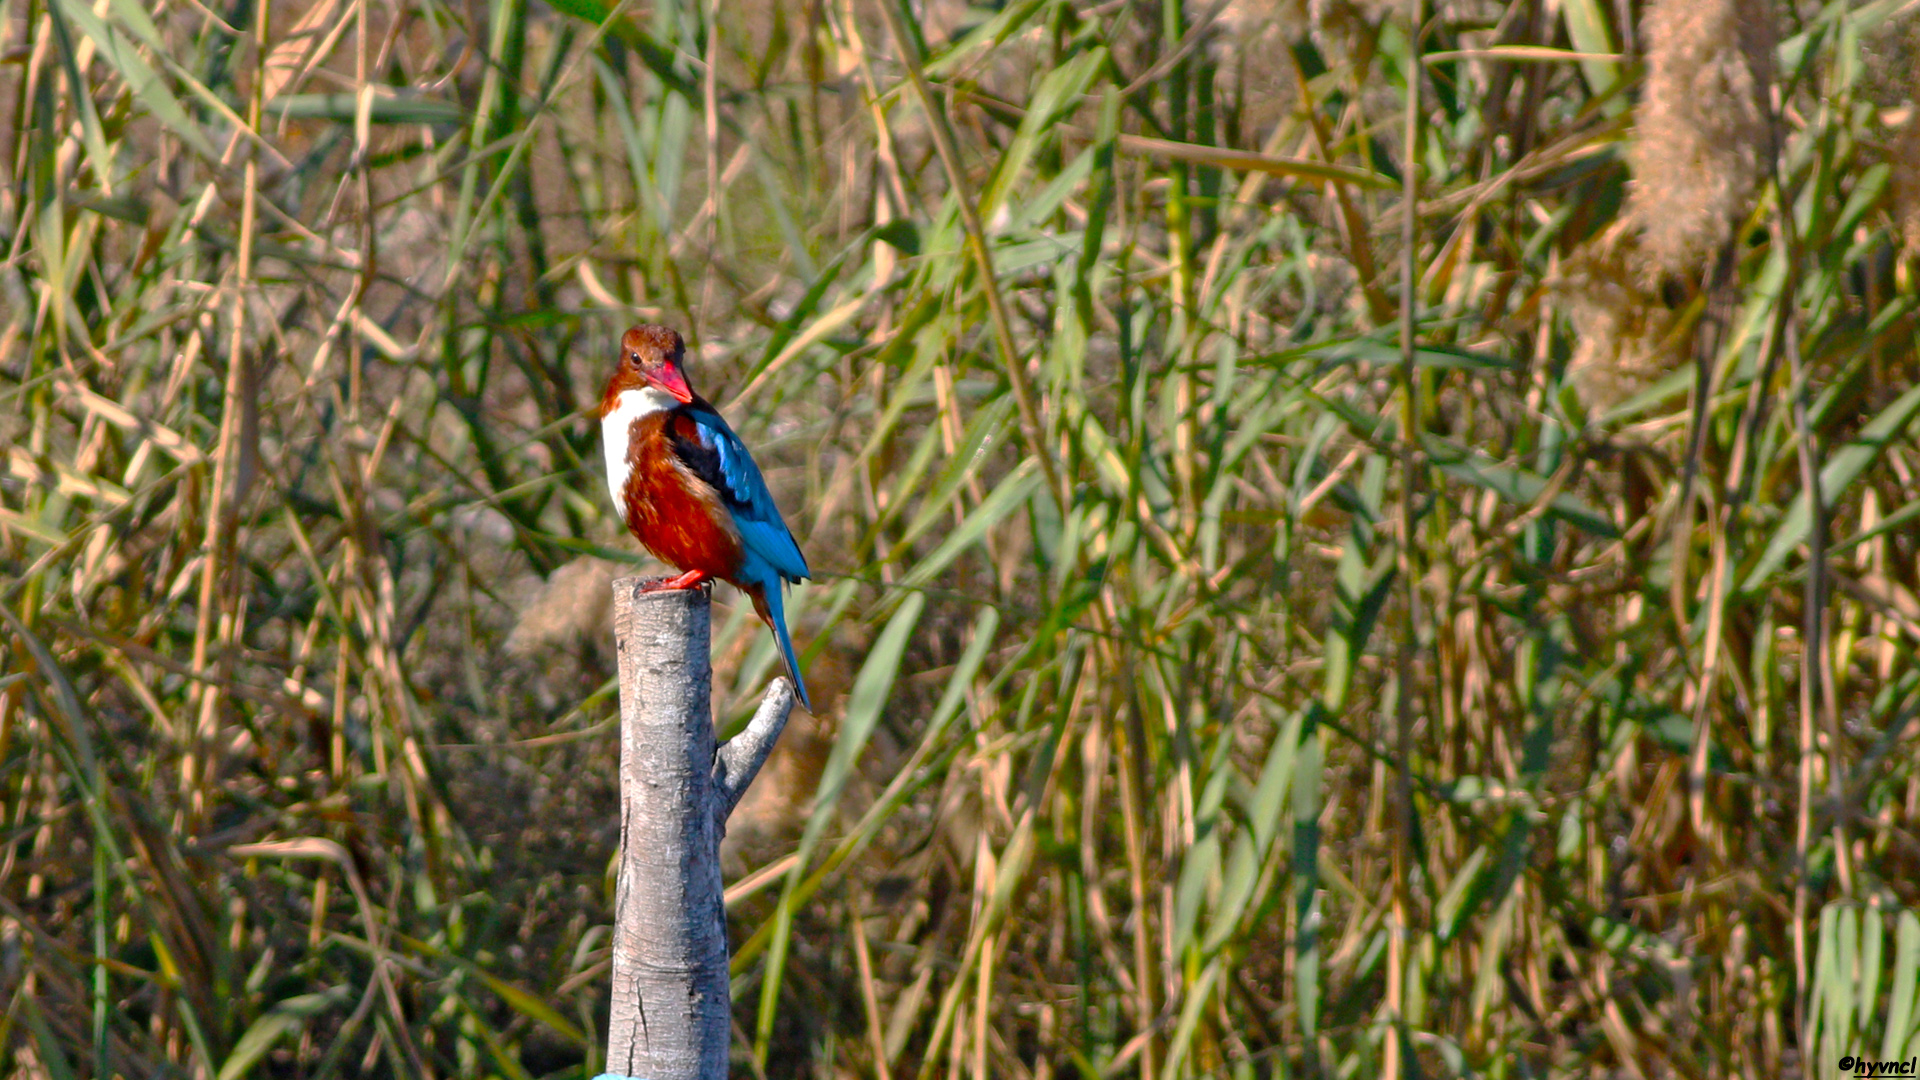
column 1321, row 572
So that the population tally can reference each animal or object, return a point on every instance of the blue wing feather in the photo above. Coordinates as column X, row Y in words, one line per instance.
column 762, row 531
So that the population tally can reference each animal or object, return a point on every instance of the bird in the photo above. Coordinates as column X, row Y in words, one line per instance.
column 689, row 490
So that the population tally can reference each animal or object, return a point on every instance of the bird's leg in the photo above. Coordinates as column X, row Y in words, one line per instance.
column 692, row 579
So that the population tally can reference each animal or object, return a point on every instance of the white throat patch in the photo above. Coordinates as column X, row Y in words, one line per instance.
column 617, row 427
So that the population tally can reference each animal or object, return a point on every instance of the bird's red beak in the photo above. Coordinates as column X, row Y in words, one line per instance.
column 671, row 379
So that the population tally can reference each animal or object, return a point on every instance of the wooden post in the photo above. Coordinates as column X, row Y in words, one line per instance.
column 671, row 1016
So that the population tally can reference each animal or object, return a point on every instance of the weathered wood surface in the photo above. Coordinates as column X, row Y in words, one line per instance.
column 670, row 1017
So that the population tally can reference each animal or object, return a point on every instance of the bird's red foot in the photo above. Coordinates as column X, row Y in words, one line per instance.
column 692, row 579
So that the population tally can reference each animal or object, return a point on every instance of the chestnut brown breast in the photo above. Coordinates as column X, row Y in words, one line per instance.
column 679, row 517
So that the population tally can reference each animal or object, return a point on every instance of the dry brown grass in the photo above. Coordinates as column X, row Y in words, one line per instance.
column 306, row 731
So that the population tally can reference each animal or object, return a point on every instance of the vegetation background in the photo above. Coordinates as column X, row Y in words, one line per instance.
column 1208, row 687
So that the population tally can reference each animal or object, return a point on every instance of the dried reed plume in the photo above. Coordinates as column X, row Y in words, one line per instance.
column 1622, row 331
column 574, row 605
column 1702, row 128
column 1906, row 181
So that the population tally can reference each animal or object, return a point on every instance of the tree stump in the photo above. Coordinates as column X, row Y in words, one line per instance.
column 671, row 1013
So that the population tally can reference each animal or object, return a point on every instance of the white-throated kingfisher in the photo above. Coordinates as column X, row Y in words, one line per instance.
column 689, row 490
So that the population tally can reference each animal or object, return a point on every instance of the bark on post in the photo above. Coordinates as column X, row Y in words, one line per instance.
column 671, row 1014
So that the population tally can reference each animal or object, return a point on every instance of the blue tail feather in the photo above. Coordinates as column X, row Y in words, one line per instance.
column 772, row 608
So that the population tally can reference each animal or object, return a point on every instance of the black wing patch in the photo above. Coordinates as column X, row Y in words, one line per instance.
column 703, row 461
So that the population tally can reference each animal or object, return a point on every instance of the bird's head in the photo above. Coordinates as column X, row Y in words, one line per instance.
column 651, row 356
